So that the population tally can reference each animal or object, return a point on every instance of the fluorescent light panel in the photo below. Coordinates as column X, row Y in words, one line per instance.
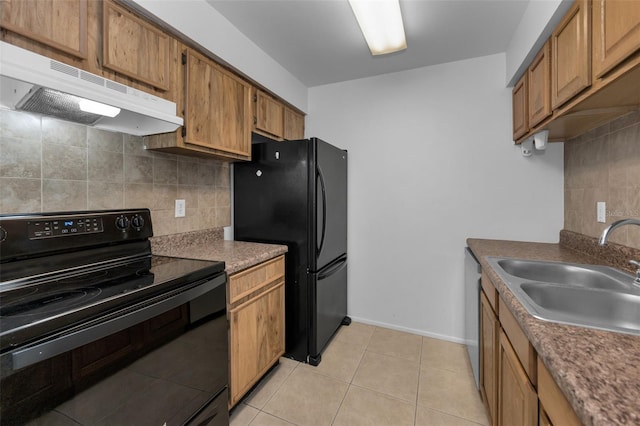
column 381, row 24
column 87, row 105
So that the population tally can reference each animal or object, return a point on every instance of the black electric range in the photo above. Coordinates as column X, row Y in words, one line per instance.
column 70, row 281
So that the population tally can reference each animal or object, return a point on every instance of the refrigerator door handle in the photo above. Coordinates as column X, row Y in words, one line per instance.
column 324, row 209
column 332, row 268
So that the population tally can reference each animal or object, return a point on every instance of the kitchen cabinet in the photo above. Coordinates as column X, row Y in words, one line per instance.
column 520, row 107
column 268, row 116
column 293, row 124
column 571, row 54
column 135, row 48
column 60, row 24
column 256, row 324
column 515, row 386
column 554, row 407
column 595, row 71
column 616, row 33
column 217, row 113
column 518, row 403
column 276, row 120
column 489, row 328
column 539, row 78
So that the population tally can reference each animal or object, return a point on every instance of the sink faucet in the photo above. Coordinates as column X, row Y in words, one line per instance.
column 605, row 236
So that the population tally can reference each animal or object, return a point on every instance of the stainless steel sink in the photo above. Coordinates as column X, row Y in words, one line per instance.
column 585, row 295
column 591, row 276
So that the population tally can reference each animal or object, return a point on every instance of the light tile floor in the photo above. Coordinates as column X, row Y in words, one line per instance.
column 369, row 376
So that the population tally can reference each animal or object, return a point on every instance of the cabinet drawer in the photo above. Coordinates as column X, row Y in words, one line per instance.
column 253, row 279
column 553, row 401
column 525, row 351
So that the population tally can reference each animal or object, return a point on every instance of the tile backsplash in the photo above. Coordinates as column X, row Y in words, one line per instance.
column 52, row 165
column 604, row 165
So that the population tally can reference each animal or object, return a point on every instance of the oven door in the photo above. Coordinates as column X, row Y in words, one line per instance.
column 164, row 361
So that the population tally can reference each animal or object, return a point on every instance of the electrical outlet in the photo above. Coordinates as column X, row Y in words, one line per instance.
column 601, row 211
column 181, row 209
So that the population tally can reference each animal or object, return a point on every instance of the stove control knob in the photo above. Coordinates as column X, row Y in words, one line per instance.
column 122, row 223
column 3, row 234
column 137, row 222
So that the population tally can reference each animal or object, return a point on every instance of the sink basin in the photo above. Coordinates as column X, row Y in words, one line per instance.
column 593, row 276
column 585, row 295
column 595, row 308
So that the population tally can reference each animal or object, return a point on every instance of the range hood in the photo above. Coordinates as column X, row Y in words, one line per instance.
column 32, row 82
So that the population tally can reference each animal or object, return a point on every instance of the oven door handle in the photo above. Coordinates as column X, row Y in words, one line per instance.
column 117, row 321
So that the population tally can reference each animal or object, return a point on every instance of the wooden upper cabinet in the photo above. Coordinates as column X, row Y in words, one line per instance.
column 616, row 33
column 268, row 115
column 540, row 86
column 520, row 107
column 571, row 54
column 134, row 47
column 59, row 24
column 293, row 124
column 217, row 108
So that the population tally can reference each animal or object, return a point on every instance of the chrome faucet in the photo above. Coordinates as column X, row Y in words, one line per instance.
column 605, row 236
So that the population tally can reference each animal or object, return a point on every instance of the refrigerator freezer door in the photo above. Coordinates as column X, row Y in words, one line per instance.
column 328, row 180
column 329, row 296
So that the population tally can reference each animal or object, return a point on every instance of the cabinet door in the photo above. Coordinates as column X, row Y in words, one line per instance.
column 257, row 339
column 269, row 115
column 489, row 327
column 217, row 108
column 60, row 24
column 520, row 101
column 540, row 86
column 518, row 401
column 134, row 47
column 293, row 124
column 553, row 403
column 571, row 54
column 616, row 33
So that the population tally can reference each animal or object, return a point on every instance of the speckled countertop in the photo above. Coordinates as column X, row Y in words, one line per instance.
column 210, row 245
column 598, row 371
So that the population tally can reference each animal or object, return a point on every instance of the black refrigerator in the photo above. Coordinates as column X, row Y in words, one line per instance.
column 295, row 193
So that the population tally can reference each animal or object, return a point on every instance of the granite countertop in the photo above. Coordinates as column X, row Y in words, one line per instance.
column 598, row 371
column 209, row 245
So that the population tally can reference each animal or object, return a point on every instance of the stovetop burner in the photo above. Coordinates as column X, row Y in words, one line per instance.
column 48, row 303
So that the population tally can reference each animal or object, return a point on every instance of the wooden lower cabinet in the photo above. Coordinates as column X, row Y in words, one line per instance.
column 554, row 407
column 518, row 403
column 515, row 386
column 256, row 325
column 489, row 329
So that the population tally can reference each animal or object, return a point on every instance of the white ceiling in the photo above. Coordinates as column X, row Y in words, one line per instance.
column 319, row 41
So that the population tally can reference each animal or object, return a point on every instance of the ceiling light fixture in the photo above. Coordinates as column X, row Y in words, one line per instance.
column 381, row 24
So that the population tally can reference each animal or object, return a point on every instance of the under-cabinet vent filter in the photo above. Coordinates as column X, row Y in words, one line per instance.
column 60, row 105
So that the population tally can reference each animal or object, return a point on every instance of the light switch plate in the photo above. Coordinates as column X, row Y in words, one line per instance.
column 601, row 211
column 181, row 210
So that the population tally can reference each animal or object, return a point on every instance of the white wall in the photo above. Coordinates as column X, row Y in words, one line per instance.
column 431, row 162
column 200, row 22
